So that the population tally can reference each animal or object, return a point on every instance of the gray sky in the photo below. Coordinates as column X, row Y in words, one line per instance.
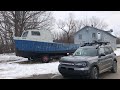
column 112, row 18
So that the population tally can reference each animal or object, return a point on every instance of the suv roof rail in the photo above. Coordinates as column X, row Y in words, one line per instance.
column 96, row 43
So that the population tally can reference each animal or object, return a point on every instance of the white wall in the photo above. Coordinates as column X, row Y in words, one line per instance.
column 87, row 37
column 110, row 39
column 45, row 36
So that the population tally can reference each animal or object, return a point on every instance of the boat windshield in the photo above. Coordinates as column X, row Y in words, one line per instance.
column 25, row 34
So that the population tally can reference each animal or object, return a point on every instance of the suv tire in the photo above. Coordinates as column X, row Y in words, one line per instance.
column 65, row 76
column 114, row 68
column 94, row 73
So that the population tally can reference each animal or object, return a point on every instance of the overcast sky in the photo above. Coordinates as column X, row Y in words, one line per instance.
column 112, row 18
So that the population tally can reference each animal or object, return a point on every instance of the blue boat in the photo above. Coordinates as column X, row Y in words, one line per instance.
column 39, row 49
column 44, row 47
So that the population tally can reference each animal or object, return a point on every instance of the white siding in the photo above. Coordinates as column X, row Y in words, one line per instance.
column 87, row 36
column 45, row 36
column 110, row 39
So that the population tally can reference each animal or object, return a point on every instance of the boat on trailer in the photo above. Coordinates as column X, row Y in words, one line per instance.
column 38, row 44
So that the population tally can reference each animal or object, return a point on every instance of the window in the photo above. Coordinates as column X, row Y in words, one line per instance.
column 93, row 35
column 35, row 33
column 86, row 52
column 80, row 36
column 111, row 50
column 107, row 50
column 25, row 34
column 101, row 50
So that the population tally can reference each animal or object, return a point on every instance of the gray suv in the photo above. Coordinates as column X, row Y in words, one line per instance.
column 89, row 61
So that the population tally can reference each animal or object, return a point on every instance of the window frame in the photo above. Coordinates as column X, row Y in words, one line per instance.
column 99, row 50
column 93, row 35
column 33, row 33
column 24, row 34
column 107, row 48
column 88, row 53
column 80, row 36
column 111, row 50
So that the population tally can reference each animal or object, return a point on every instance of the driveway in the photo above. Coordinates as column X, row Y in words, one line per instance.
column 106, row 75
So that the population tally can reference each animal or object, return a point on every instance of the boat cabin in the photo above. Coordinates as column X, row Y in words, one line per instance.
column 36, row 35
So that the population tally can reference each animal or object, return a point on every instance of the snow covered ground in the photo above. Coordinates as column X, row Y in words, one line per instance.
column 11, row 57
column 117, row 52
column 15, row 70
column 11, row 70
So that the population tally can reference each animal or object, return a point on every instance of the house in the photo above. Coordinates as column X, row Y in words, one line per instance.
column 90, row 34
column 36, row 35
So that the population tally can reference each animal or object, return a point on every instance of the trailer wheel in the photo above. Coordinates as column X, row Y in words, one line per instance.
column 45, row 59
column 16, row 52
column 30, row 59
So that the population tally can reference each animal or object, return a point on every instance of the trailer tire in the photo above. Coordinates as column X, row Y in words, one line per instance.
column 45, row 59
column 16, row 52
column 30, row 59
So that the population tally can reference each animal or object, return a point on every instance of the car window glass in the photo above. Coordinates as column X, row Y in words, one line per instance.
column 101, row 50
column 111, row 50
column 107, row 50
column 86, row 52
column 25, row 34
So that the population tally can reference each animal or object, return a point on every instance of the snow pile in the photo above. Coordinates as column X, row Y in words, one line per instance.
column 14, row 70
column 10, row 57
column 117, row 52
column 11, row 70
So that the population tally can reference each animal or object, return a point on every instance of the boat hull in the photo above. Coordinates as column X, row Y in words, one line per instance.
column 27, row 48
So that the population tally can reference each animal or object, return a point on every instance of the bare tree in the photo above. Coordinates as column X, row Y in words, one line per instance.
column 23, row 20
column 69, row 27
column 95, row 22
column 15, row 22
column 55, row 35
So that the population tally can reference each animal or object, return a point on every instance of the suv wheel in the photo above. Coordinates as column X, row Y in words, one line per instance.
column 94, row 73
column 114, row 68
column 65, row 76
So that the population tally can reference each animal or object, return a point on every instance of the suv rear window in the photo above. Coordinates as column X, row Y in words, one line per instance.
column 111, row 50
column 101, row 50
column 107, row 50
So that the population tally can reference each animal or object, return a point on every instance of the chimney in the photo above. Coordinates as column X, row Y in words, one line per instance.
column 111, row 30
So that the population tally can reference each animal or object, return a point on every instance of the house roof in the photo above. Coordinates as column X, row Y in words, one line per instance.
column 96, row 29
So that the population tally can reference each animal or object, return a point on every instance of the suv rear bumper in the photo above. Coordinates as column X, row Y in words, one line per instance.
column 72, row 71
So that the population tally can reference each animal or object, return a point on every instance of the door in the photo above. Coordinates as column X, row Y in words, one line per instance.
column 108, row 57
column 102, row 60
